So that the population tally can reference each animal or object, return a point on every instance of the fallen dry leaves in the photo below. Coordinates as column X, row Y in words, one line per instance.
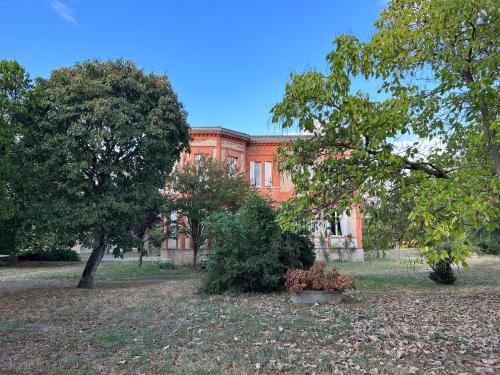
column 144, row 328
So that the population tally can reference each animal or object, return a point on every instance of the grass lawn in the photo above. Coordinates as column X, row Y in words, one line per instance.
column 148, row 321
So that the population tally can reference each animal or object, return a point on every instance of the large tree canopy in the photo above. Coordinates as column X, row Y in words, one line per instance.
column 104, row 137
column 434, row 119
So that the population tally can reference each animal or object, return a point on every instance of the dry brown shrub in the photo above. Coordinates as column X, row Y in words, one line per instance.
column 317, row 278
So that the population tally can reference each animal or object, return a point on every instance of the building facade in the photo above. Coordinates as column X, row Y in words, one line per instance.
column 255, row 156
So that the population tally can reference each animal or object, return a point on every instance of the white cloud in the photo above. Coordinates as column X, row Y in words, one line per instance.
column 63, row 10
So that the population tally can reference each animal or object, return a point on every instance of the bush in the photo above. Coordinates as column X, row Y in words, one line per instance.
column 249, row 252
column 442, row 272
column 297, row 250
column 8, row 231
column 317, row 278
column 168, row 266
column 486, row 242
column 53, row 255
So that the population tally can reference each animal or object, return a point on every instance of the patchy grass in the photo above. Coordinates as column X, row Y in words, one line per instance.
column 386, row 274
column 394, row 323
column 73, row 271
column 124, row 270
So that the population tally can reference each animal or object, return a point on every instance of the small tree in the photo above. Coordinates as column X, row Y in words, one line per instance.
column 141, row 231
column 198, row 190
column 103, row 139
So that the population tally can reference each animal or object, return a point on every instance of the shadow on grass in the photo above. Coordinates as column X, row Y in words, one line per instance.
column 387, row 274
column 129, row 270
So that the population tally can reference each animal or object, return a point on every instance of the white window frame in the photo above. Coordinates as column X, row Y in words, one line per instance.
column 268, row 174
column 173, row 224
column 256, row 173
column 233, row 163
column 336, row 230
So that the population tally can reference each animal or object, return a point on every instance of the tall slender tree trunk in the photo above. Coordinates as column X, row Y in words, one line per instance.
column 195, row 249
column 490, row 137
column 496, row 157
column 87, row 279
column 195, row 232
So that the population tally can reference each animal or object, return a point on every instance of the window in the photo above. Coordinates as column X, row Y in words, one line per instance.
column 233, row 162
column 268, row 174
column 197, row 158
column 335, row 225
column 255, row 173
column 173, row 225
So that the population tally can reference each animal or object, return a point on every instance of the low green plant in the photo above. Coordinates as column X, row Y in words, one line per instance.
column 168, row 266
column 297, row 250
column 442, row 272
column 486, row 242
column 51, row 255
column 250, row 252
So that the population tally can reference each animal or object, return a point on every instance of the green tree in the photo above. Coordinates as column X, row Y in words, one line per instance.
column 15, row 87
column 250, row 252
column 105, row 136
column 435, row 63
column 200, row 189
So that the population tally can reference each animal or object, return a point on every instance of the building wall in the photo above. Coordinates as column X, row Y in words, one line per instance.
column 220, row 144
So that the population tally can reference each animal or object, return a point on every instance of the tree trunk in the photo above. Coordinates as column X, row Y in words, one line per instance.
column 490, row 138
column 195, row 255
column 140, row 258
column 496, row 157
column 87, row 279
column 195, row 232
column 397, row 247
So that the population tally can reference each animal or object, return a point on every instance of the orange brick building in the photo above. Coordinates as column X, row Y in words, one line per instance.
column 255, row 156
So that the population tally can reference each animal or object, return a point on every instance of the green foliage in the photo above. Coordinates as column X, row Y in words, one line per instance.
column 15, row 87
column 432, row 131
column 249, row 252
column 52, row 255
column 103, row 137
column 198, row 190
column 157, row 236
column 168, row 266
column 486, row 242
column 442, row 272
column 8, row 234
column 386, row 218
column 297, row 250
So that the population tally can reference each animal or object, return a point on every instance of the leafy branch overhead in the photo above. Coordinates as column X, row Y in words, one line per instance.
column 432, row 126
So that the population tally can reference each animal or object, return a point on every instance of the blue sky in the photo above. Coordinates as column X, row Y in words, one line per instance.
column 227, row 60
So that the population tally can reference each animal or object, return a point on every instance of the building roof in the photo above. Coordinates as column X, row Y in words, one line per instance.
column 248, row 137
